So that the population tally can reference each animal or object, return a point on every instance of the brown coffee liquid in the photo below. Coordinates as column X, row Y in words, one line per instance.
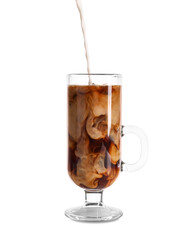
column 94, row 135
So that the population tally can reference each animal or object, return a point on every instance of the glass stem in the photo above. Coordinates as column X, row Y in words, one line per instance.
column 93, row 198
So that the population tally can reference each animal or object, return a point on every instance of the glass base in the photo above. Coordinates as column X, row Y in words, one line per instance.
column 93, row 210
column 94, row 214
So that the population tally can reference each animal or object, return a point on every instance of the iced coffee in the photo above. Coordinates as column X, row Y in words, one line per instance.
column 94, row 135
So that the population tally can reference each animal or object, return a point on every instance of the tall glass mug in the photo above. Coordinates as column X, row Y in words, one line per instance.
column 94, row 142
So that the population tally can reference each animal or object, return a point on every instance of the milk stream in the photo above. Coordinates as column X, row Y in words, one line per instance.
column 79, row 6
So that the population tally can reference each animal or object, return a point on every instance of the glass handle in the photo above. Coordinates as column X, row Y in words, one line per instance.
column 144, row 148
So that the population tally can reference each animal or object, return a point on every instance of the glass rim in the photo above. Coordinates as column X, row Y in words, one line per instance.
column 95, row 74
column 100, row 79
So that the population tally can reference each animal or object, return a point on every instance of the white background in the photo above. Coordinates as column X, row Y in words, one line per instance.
column 40, row 42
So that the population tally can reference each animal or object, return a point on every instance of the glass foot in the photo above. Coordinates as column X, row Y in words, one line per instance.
column 93, row 210
column 94, row 213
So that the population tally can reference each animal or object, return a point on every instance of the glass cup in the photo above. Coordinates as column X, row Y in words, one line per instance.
column 94, row 142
